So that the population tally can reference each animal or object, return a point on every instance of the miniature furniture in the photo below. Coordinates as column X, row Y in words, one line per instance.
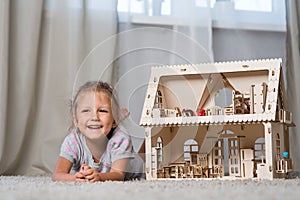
column 217, row 171
column 217, row 120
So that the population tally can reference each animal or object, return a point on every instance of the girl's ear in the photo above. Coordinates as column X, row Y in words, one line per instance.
column 114, row 125
column 75, row 122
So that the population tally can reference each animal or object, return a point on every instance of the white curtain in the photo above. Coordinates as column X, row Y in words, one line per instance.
column 47, row 49
column 184, row 37
column 293, row 71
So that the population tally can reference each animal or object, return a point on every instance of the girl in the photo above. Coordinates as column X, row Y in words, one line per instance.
column 96, row 149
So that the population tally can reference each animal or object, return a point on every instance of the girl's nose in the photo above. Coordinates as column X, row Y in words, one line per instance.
column 95, row 116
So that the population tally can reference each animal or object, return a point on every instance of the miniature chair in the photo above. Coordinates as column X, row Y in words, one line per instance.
column 189, row 171
column 241, row 103
column 160, row 173
column 197, row 171
column 167, row 172
column 214, row 110
column 228, row 110
column 217, row 171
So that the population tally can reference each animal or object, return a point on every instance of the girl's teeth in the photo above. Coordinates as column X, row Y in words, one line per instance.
column 94, row 127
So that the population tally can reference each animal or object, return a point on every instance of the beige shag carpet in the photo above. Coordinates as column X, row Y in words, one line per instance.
column 41, row 187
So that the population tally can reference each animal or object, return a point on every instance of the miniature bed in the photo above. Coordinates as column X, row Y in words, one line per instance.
column 217, row 120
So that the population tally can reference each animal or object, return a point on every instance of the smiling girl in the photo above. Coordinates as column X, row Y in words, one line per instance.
column 96, row 149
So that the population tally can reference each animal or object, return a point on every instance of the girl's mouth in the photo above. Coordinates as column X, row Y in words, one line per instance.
column 95, row 126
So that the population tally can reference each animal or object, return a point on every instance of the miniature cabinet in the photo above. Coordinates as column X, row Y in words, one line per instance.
column 226, row 119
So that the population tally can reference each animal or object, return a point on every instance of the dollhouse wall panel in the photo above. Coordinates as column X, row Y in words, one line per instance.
column 268, row 150
column 240, row 80
column 182, row 91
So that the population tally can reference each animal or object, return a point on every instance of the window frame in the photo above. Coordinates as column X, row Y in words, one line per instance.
column 243, row 20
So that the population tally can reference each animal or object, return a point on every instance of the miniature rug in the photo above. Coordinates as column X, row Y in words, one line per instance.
column 41, row 187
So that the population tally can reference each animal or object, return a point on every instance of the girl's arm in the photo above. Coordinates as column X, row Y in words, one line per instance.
column 117, row 172
column 62, row 171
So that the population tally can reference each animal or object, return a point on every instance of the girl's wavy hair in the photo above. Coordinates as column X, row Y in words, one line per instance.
column 96, row 86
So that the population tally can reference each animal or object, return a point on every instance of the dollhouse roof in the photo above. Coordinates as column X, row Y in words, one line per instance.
column 198, row 86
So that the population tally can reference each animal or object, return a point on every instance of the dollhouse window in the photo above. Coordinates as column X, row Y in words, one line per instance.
column 158, row 99
column 190, row 146
column 218, row 152
column 227, row 133
column 259, row 150
column 278, row 154
column 223, row 97
column 159, row 143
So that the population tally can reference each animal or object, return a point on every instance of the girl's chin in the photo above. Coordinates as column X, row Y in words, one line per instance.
column 97, row 133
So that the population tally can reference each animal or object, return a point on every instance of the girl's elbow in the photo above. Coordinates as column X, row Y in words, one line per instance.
column 56, row 176
column 121, row 176
column 53, row 178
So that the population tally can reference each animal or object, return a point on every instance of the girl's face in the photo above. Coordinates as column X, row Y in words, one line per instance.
column 94, row 116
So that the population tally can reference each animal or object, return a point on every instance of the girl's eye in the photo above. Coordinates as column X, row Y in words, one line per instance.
column 85, row 110
column 103, row 110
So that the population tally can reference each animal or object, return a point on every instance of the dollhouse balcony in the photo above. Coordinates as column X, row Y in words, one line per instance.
column 284, row 116
column 284, row 165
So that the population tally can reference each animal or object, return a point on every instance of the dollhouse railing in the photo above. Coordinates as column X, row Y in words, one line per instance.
column 284, row 116
column 284, row 165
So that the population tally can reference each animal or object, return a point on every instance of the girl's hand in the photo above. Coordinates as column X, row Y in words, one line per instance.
column 84, row 168
column 80, row 176
column 87, row 174
column 124, row 113
column 92, row 175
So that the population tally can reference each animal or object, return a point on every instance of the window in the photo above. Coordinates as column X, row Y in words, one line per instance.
column 277, row 146
column 259, row 150
column 164, row 7
column 268, row 14
column 218, row 152
column 148, row 7
column 223, row 98
column 190, row 146
column 251, row 5
column 159, row 144
column 257, row 14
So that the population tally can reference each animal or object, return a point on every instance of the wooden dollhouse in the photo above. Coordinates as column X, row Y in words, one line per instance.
column 226, row 119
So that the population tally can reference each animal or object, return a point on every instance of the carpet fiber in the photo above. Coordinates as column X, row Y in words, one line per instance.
column 41, row 187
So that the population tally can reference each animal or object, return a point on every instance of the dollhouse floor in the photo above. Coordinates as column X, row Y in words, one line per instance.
column 22, row 187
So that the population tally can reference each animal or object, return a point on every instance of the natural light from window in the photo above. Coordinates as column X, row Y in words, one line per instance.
column 264, row 13
column 254, row 5
column 138, row 6
column 251, row 5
